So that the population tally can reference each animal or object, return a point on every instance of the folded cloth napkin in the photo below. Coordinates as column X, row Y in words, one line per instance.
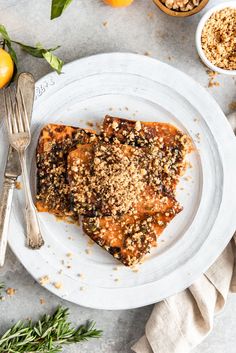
column 181, row 322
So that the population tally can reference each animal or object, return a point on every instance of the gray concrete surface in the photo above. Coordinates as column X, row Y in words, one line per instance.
column 141, row 28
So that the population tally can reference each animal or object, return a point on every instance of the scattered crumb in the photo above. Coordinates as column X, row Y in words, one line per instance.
column 105, row 23
column 10, row 291
column 81, row 288
column 90, row 242
column 2, row 298
column 211, row 73
column 116, row 279
column 57, row 285
column 110, row 109
column 44, row 280
column 89, row 123
column 88, row 251
column 135, row 269
column 60, row 272
column 18, row 185
column 150, row 15
column 232, row 105
column 147, row 53
column 68, row 266
column 71, row 238
column 126, row 108
column 213, row 83
column 169, row 58
column 42, row 301
column 69, row 254
column 211, row 77
column 116, row 268
column 81, row 275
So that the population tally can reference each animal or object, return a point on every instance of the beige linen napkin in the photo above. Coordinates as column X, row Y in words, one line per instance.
column 181, row 322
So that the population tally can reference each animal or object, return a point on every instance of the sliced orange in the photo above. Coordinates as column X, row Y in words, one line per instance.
column 118, row 3
column 6, row 67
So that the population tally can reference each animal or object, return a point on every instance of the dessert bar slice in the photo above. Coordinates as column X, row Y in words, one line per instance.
column 54, row 144
column 169, row 144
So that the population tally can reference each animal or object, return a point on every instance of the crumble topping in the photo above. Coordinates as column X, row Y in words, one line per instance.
column 115, row 180
column 219, row 39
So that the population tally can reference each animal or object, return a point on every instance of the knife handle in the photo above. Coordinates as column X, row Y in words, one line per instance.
column 5, row 211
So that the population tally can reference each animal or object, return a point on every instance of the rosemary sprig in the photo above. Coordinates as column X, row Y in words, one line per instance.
column 47, row 335
column 2, row 286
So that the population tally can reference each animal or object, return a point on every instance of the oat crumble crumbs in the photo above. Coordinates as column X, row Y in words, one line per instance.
column 42, row 301
column 44, row 280
column 18, row 185
column 11, row 291
column 57, row 285
column 219, row 39
column 232, row 105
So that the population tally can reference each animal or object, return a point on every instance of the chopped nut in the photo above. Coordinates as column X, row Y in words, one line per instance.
column 181, row 5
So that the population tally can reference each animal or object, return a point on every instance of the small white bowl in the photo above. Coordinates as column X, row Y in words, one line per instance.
column 199, row 35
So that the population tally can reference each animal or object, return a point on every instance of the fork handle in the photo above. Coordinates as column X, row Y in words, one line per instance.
column 5, row 212
column 33, row 237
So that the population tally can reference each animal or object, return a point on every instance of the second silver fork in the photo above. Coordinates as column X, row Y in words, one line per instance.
column 19, row 138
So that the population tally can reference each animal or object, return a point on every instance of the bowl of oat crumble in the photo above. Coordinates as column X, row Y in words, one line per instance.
column 181, row 8
column 216, row 38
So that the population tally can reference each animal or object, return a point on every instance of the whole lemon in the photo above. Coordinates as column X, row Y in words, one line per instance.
column 118, row 3
column 6, row 67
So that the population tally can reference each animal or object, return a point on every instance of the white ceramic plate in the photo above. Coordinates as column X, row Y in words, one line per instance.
column 138, row 87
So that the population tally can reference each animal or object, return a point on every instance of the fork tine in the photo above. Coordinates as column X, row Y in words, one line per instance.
column 8, row 112
column 19, row 115
column 24, row 113
column 13, row 112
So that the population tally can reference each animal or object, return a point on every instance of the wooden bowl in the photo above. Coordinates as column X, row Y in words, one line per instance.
column 174, row 13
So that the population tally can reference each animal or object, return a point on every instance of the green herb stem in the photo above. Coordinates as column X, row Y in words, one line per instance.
column 47, row 335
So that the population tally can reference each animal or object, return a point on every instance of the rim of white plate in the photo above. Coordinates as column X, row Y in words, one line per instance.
column 225, row 224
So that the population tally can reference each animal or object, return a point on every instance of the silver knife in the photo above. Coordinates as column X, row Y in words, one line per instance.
column 26, row 84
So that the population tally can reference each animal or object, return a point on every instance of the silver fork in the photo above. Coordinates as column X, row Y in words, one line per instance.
column 19, row 137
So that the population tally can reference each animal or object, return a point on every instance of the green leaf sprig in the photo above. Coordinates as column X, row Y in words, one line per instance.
column 2, row 286
column 38, row 51
column 59, row 6
column 47, row 335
